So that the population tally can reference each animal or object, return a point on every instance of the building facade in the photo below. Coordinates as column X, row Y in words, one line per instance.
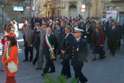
column 74, row 8
column 61, row 7
column 115, row 5
column 97, row 8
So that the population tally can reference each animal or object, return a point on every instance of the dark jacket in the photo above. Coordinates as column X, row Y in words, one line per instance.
column 80, row 51
column 36, row 38
column 46, row 48
column 114, row 37
column 67, row 44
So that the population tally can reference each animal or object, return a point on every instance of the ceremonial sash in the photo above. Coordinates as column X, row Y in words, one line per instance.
column 50, row 46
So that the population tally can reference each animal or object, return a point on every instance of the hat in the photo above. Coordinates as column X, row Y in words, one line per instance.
column 77, row 29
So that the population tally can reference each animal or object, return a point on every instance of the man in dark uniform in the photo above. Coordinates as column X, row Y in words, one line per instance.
column 79, row 55
column 66, row 50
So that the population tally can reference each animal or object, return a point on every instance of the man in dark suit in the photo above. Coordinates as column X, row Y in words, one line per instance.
column 40, row 61
column 79, row 55
column 66, row 50
column 28, row 41
column 36, row 42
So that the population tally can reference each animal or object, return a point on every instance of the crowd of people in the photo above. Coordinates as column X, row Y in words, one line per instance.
column 69, row 40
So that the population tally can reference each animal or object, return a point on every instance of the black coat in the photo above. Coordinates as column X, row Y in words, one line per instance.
column 46, row 48
column 80, row 51
column 67, row 44
column 36, row 38
column 114, row 37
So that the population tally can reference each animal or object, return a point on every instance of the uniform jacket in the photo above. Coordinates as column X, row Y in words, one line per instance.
column 80, row 51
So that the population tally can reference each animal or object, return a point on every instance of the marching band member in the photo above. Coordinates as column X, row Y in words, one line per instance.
column 49, row 47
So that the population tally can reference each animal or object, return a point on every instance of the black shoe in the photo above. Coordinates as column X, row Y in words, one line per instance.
column 43, row 74
column 25, row 60
column 94, row 59
column 38, row 68
column 30, row 60
column 52, row 71
column 101, row 58
column 33, row 63
column 67, row 77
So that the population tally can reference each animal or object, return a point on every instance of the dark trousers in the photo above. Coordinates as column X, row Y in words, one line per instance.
column 77, row 67
column 27, row 51
column 66, row 68
column 49, row 66
column 112, row 51
column 10, row 79
column 36, row 56
column 99, row 50
column 113, row 46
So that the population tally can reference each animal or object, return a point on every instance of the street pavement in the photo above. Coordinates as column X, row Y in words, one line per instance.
column 110, row 70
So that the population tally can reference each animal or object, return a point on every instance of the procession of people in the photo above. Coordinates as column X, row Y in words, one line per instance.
column 69, row 40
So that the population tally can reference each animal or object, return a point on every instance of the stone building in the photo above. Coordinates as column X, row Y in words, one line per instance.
column 61, row 7
column 97, row 8
column 117, row 5
column 73, row 7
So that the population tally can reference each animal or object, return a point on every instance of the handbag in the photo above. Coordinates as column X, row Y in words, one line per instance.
column 12, row 67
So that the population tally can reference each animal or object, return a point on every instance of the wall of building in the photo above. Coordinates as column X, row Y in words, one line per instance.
column 97, row 8
column 94, row 8
column 71, row 8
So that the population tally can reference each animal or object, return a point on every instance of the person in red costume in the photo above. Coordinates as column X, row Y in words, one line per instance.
column 12, row 57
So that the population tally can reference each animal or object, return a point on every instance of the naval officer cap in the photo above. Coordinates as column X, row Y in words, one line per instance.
column 77, row 29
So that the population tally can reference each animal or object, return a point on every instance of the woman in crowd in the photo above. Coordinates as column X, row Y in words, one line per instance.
column 98, row 40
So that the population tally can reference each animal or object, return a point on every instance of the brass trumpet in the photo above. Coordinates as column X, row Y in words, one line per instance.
column 52, row 54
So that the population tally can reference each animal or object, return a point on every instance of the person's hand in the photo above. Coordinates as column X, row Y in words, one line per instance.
column 62, row 51
column 101, row 45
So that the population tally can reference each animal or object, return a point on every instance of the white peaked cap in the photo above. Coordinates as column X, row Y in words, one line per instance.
column 76, row 29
